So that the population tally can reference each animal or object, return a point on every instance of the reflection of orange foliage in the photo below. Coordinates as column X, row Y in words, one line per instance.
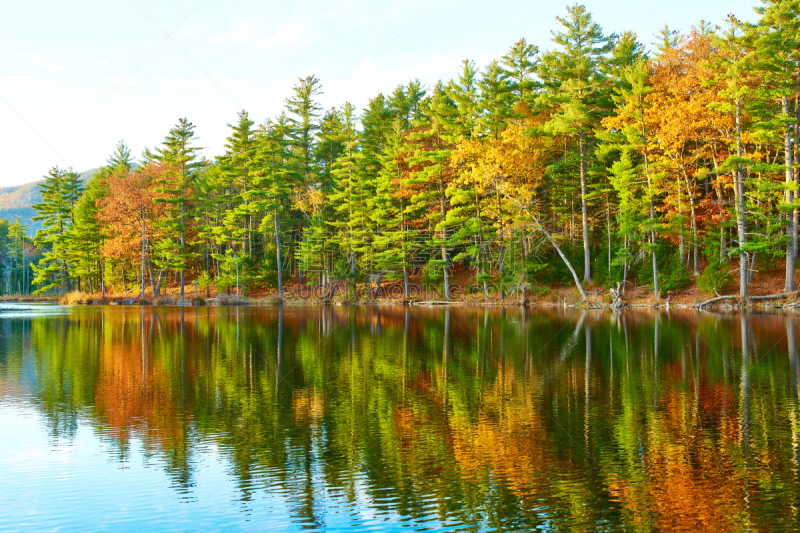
column 511, row 443
column 666, row 452
column 133, row 393
column 421, row 443
column 686, row 481
column 308, row 406
column 511, row 440
column 691, row 482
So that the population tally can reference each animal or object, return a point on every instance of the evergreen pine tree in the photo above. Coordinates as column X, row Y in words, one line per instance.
column 777, row 49
column 574, row 90
column 60, row 191
column 179, row 151
column 431, row 175
column 520, row 66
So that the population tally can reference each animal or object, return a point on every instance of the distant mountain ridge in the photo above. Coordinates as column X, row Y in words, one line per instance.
column 17, row 201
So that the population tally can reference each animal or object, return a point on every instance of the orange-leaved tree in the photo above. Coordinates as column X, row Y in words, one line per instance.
column 128, row 213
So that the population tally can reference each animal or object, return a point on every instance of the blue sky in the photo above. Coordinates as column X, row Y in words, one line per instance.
column 78, row 76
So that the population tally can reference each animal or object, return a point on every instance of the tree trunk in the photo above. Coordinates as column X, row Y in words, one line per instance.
column 608, row 228
column 625, row 271
column 444, row 241
column 681, row 240
column 144, row 250
column 791, row 230
column 587, row 268
column 740, row 208
column 481, row 252
column 652, row 208
column 183, row 241
column 555, row 245
column 405, row 282
column 723, row 256
column 501, row 267
column 278, row 252
column 152, row 282
column 693, row 213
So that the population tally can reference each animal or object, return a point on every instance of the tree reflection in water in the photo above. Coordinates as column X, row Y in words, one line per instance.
column 482, row 417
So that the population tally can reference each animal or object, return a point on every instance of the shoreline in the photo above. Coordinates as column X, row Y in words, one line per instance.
column 773, row 306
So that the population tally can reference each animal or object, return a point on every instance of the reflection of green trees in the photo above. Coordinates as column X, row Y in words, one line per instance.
column 509, row 419
column 62, row 386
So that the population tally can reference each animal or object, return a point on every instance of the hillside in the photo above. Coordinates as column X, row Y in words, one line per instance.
column 16, row 201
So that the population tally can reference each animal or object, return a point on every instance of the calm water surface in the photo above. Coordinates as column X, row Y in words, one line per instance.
column 386, row 418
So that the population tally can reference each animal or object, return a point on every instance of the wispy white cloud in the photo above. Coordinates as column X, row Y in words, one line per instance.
column 295, row 33
column 236, row 35
column 184, row 33
column 119, row 80
column 180, row 80
column 298, row 32
column 43, row 61
column 27, row 81
column 33, row 56
column 55, row 67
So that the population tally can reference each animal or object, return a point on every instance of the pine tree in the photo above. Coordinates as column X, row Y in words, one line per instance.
column 665, row 39
column 6, row 254
column 17, row 235
column 347, row 199
column 211, row 203
column 405, row 103
column 633, row 135
column 394, row 241
column 273, row 183
column 575, row 91
column 431, row 176
column 520, row 66
column 304, row 110
column 237, row 168
column 60, row 191
column 731, row 69
column 329, row 145
column 86, row 234
column 777, row 49
column 495, row 104
column 179, row 151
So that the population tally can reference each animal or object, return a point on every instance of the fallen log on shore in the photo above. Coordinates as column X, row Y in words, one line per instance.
column 774, row 296
column 717, row 299
column 749, row 298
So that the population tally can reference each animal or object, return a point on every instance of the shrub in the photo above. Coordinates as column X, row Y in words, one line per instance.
column 166, row 299
column 716, row 277
column 204, row 283
column 76, row 298
column 673, row 279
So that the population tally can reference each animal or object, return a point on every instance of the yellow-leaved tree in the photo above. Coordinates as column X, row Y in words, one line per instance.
column 514, row 165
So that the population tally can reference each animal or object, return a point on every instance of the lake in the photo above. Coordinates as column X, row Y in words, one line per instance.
column 390, row 418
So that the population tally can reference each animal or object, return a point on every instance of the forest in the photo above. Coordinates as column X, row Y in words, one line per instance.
column 588, row 162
